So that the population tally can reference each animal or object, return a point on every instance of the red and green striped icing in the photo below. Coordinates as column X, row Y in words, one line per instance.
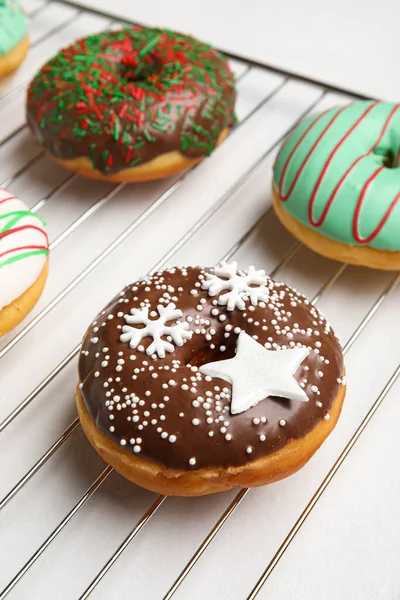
column 338, row 173
column 121, row 98
column 24, row 247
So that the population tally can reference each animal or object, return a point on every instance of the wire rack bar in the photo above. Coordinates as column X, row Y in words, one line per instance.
column 9, row 137
column 21, row 171
column 50, row 377
column 385, row 294
column 40, row 463
column 293, row 532
column 56, row 191
column 96, row 484
column 246, row 236
column 138, row 527
column 33, row 13
column 207, row 541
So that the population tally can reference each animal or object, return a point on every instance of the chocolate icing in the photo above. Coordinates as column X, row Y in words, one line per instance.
column 121, row 98
column 106, row 367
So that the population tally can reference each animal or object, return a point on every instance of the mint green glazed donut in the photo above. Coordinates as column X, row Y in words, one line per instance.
column 338, row 174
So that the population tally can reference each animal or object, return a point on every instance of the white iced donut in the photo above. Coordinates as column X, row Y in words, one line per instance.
column 24, row 250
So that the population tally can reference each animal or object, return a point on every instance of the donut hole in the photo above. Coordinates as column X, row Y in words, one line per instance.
column 387, row 157
column 133, row 69
column 205, row 354
column 141, row 65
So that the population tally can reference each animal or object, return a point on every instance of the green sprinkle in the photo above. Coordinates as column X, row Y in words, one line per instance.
column 116, row 128
column 149, row 137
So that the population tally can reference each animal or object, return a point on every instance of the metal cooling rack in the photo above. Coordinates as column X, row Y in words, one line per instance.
column 54, row 489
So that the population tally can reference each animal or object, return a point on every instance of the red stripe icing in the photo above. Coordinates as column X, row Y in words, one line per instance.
column 285, row 197
column 22, row 228
column 22, row 248
column 357, row 212
column 6, row 199
column 322, row 218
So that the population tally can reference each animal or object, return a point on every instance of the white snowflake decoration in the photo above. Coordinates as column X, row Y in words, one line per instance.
column 156, row 329
column 226, row 277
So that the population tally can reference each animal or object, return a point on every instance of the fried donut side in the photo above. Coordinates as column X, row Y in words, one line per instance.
column 162, row 166
column 176, row 482
column 10, row 61
column 355, row 255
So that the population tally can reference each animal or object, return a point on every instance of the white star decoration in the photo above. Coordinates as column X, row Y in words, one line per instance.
column 256, row 373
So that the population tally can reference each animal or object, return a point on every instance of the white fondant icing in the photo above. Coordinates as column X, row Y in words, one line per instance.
column 241, row 286
column 178, row 333
column 256, row 373
column 22, row 240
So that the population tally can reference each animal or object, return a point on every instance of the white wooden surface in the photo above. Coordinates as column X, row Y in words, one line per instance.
column 349, row 546
column 352, row 44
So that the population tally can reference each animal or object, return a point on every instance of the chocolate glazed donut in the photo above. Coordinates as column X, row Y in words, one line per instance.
column 121, row 99
column 154, row 407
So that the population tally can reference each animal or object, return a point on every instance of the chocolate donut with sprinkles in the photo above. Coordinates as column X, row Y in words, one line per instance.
column 337, row 184
column 132, row 105
column 196, row 380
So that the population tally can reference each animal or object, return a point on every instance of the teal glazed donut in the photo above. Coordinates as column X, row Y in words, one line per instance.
column 13, row 26
column 337, row 175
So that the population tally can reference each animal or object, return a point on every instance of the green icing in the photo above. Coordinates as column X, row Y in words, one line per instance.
column 355, row 152
column 13, row 25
